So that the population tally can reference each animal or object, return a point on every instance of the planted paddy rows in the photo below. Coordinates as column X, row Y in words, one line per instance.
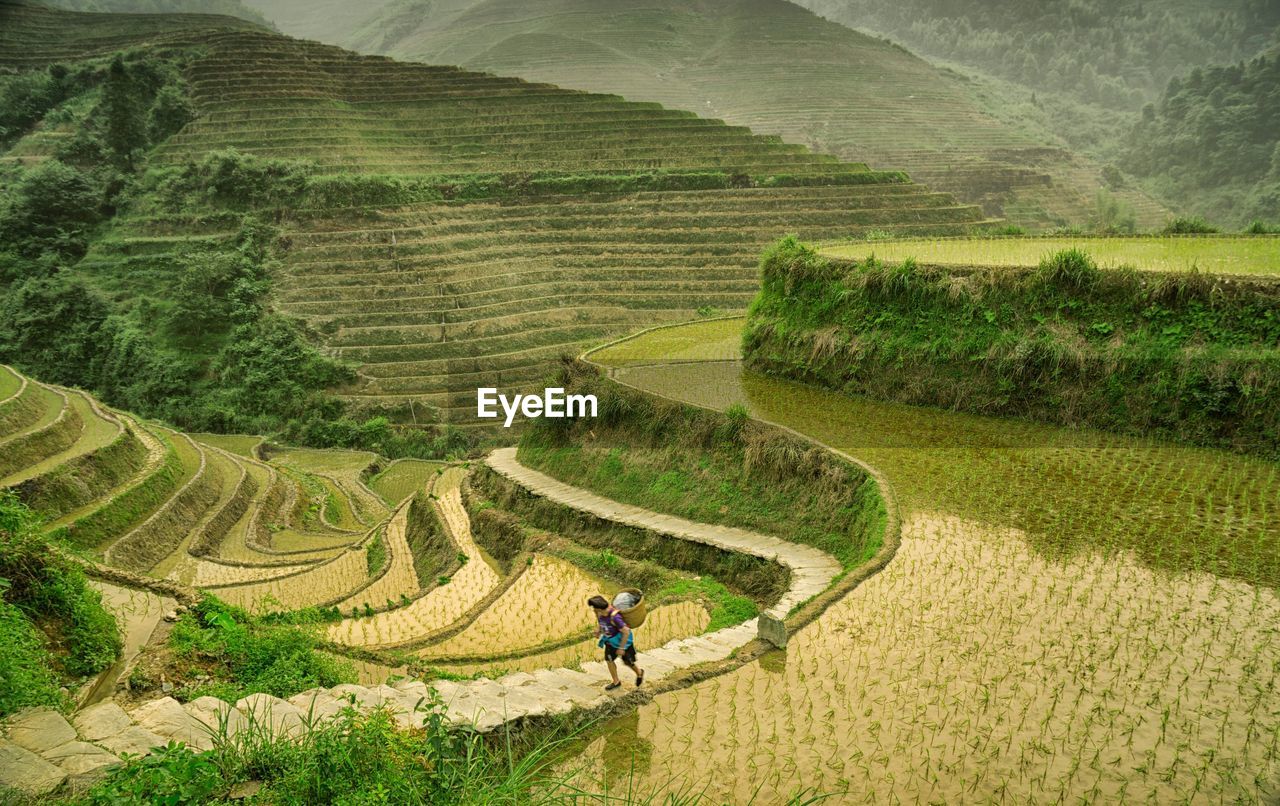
column 183, row 503
column 432, row 298
column 151, row 500
column 1115, row 596
column 488, row 291
column 34, row 35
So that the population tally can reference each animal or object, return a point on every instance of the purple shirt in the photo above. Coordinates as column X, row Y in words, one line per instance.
column 611, row 624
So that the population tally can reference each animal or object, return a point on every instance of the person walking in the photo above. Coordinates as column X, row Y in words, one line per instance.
column 616, row 637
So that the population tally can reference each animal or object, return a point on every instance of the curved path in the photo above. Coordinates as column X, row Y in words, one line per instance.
column 811, row 570
column 43, row 749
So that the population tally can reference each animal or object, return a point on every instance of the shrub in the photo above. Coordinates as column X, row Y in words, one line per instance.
column 375, row 556
column 244, row 655
column 1070, row 269
column 47, row 588
column 173, row 774
column 53, row 200
column 26, row 673
column 1188, row 226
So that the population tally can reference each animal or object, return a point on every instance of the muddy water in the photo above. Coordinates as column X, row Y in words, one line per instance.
column 1049, row 629
column 137, row 612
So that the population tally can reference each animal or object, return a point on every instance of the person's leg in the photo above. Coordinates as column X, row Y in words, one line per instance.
column 629, row 658
column 609, row 660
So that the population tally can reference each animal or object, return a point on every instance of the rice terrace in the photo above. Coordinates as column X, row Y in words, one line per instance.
column 750, row 402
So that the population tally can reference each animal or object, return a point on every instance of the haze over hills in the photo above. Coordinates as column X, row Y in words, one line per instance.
column 438, row 228
column 767, row 64
column 234, row 8
column 1091, row 66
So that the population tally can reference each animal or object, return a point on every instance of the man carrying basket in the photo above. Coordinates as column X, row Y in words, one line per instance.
column 614, row 634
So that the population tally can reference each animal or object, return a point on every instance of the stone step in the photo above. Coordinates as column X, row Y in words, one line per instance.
column 167, row 718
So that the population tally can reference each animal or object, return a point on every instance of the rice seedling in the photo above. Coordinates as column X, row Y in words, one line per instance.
column 1071, row 615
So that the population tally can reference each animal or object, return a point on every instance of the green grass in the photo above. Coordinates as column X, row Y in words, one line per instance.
column 95, row 530
column 403, row 478
column 709, row 468
column 55, row 627
column 1181, row 356
column 239, row 444
column 1221, row 254
column 1176, row 508
column 368, row 759
column 376, row 555
column 222, row 651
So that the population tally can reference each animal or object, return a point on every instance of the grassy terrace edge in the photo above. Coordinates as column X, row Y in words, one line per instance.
column 1182, row 356
column 885, row 532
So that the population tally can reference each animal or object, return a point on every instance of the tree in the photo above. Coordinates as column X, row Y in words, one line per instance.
column 53, row 200
column 123, row 112
column 54, row 327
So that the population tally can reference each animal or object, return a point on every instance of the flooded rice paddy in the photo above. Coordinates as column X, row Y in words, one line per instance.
column 1219, row 254
column 1071, row 616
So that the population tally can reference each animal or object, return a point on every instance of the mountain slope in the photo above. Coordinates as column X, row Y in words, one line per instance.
column 438, row 229
column 234, row 8
column 767, row 64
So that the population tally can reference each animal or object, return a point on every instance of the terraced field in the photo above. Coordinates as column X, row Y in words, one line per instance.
column 1092, row 616
column 157, row 512
column 767, row 64
column 1214, row 254
column 522, row 220
column 154, row 501
column 402, row 478
column 35, row 35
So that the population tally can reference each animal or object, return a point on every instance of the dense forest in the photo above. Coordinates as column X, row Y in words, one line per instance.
column 198, row 347
column 1213, row 140
column 1085, row 70
column 1115, row 54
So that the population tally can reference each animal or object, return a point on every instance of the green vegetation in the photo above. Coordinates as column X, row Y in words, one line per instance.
column 1215, row 255
column 1023, row 545
column 662, row 585
column 1173, row 94
column 1187, row 356
column 1213, row 140
column 375, row 555
column 1112, row 54
column 365, row 759
column 403, row 478
column 392, row 253
column 52, row 622
column 708, row 467
column 508, row 522
column 767, row 64
column 222, row 651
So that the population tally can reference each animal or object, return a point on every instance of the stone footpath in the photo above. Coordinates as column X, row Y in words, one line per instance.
column 41, row 750
column 811, row 569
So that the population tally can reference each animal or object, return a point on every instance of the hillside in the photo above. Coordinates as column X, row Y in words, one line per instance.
column 282, row 579
column 1213, row 138
column 1179, row 355
column 435, row 228
column 233, row 8
column 767, row 64
column 1117, row 54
